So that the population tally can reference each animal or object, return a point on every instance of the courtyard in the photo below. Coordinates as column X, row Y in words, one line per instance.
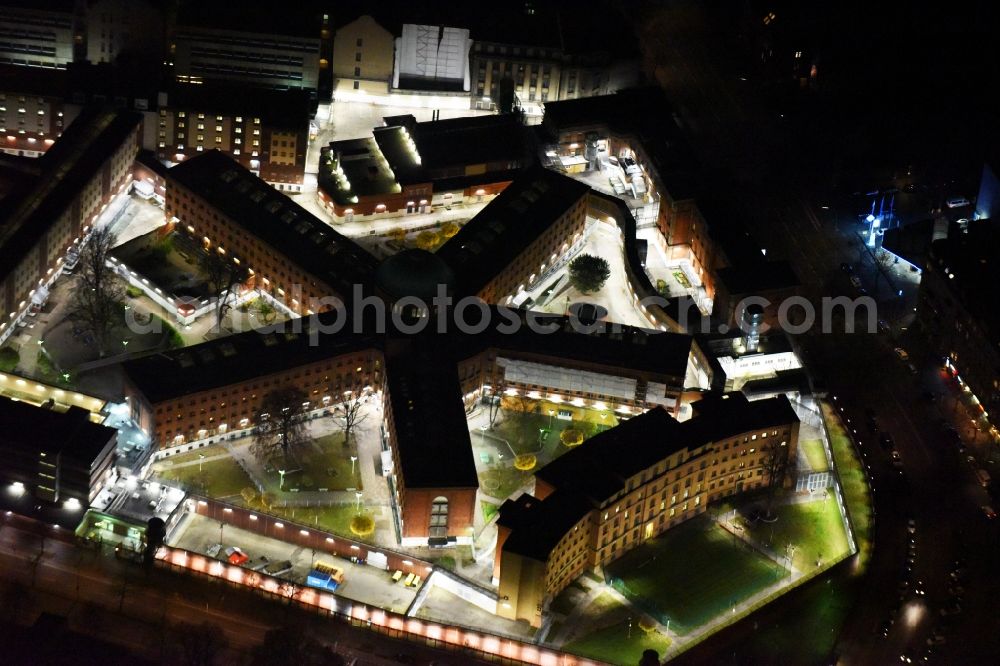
column 692, row 574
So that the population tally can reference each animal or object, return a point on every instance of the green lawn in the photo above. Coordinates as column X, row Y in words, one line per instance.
column 815, row 529
column 217, row 478
column 617, row 644
column 693, row 573
column 335, row 518
column 191, row 456
column 501, row 481
column 813, row 451
column 489, row 510
column 326, row 464
column 9, row 358
column 852, row 480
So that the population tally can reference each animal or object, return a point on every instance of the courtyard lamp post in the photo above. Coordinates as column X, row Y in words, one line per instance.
column 357, row 503
column 551, row 413
column 353, row 459
column 201, row 459
column 281, row 479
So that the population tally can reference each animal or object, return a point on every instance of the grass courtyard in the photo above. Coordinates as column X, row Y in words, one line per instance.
column 335, row 518
column 618, row 643
column 192, row 456
column 852, row 480
column 814, row 454
column 219, row 479
column 326, row 465
column 693, row 573
column 813, row 528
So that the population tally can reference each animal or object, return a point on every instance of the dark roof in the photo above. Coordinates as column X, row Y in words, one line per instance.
column 644, row 113
column 148, row 159
column 472, row 140
column 69, row 434
column 602, row 465
column 436, row 151
column 302, row 18
column 912, row 242
column 414, row 273
column 592, row 473
column 68, row 165
column 638, row 349
column 236, row 358
column 276, row 220
column 508, row 225
column 281, row 109
column 432, row 433
column 43, row 81
column 758, row 278
column 972, row 258
column 536, row 525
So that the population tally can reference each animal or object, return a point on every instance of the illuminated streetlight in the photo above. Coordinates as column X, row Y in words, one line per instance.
column 357, row 504
column 353, row 458
column 201, row 458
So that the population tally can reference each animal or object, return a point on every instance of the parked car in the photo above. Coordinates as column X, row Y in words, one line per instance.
column 901, row 353
column 856, row 281
column 236, row 556
column 957, row 202
column 988, row 512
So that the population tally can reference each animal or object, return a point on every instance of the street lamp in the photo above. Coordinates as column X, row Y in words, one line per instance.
column 353, row 458
column 357, row 504
column 551, row 413
column 201, row 458
column 281, row 481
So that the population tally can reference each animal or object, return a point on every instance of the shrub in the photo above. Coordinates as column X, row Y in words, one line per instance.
column 9, row 358
column 647, row 624
column 449, row 229
column 133, row 292
column 362, row 525
column 525, row 462
column 571, row 437
column 589, row 273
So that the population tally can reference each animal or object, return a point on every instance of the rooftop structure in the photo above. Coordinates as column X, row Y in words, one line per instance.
column 57, row 456
column 522, row 213
column 276, row 220
column 439, row 155
column 432, row 435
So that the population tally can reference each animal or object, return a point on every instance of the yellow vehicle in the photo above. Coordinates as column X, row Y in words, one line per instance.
column 336, row 573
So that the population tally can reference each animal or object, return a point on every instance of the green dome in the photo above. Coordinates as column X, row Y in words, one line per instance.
column 413, row 273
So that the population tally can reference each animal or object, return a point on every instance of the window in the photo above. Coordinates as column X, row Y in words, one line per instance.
column 360, row 42
column 439, row 517
column 357, row 57
column 357, row 85
column 357, row 71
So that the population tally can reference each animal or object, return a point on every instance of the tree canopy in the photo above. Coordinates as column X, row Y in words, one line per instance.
column 279, row 423
column 588, row 273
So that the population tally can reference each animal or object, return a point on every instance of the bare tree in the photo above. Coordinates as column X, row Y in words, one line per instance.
column 774, row 463
column 97, row 301
column 279, row 423
column 883, row 262
column 222, row 275
column 348, row 413
column 201, row 645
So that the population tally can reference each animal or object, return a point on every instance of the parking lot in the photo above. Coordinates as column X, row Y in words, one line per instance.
column 141, row 500
column 361, row 582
